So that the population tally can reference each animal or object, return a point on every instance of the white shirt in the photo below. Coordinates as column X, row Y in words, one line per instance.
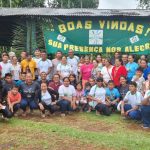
column 133, row 99
column 46, row 98
column 65, row 70
column 98, row 93
column 74, row 63
column 67, row 91
column 147, row 94
column 6, row 68
column 16, row 71
column 44, row 66
column 106, row 73
column 36, row 60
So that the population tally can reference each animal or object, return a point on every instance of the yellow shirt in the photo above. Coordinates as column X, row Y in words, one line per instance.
column 29, row 66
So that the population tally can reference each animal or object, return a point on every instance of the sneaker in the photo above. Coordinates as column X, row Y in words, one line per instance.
column 145, row 126
column 63, row 115
column 43, row 115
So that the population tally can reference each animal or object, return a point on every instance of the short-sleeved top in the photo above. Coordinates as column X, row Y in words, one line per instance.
column 54, row 86
column 29, row 91
column 44, row 66
column 133, row 99
column 55, row 63
column 16, row 71
column 25, row 65
column 123, row 91
column 147, row 94
column 6, row 68
column 98, row 93
column 65, row 70
column 131, row 68
column 67, row 91
column 85, row 71
column 46, row 98
column 146, row 72
column 14, row 98
column 74, row 63
column 112, row 94
column 107, row 73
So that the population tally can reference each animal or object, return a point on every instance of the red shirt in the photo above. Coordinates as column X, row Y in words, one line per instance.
column 54, row 86
column 14, row 98
column 117, row 72
column 86, row 71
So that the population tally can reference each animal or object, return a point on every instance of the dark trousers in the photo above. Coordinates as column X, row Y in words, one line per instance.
column 50, row 107
column 6, row 112
column 103, row 109
column 64, row 105
column 16, row 107
column 145, row 111
column 28, row 103
column 135, row 114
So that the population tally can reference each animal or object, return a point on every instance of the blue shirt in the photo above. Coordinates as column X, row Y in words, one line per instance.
column 131, row 68
column 112, row 94
column 146, row 72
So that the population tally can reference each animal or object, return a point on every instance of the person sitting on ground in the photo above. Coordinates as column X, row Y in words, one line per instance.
column 45, row 100
column 14, row 99
column 139, row 79
column 67, row 96
column 112, row 95
column 97, row 98
column 6, row 113
column 22, row 79
column 145, row 110
column 91, row 81
column 29, row 91
column 146, row 84
column 130, row 107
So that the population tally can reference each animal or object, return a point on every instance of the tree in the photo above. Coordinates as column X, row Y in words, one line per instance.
column 144, row 4
column 73, row 3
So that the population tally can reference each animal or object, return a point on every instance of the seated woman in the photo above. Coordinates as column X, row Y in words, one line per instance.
column 145, row 110
column 13, row 99
column 97, row 98
column 29, row 91
column 45, row 100
column 131, row 104
column 67, row 96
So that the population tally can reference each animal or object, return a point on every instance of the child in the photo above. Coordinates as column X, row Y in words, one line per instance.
column 146, row 84
column 22, row 79
column 79, row 92
column 45, row 100
column 84, row 100
column 13, row 99
column 139, row 79
column 130, row 106
column 112, row 95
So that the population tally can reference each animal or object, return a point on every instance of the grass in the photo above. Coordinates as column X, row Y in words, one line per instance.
column 79, row 131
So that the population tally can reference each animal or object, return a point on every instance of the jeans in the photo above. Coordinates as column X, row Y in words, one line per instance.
column 64, row 105
column 31, row 103
column 145, row 111
column 16, row 107
column 6, row 112
column 104, row 109
column 135, row 114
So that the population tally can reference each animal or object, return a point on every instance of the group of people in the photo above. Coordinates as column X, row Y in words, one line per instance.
column 69, row 83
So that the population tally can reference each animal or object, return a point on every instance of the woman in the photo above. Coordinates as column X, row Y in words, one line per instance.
column 106, row 71
column 97, row 98
column 45, row 100
column 73, row 81
column 99, row 60
column 95, row 73
column 15, row 69
column 63, row 68
column 85, row 71
column 118, row 71
column 29, row 91
column 67, row 96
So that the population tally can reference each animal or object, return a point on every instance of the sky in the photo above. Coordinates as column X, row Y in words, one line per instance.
column 117, row 4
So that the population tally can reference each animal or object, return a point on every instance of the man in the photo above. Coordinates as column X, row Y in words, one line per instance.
column 44, row 65
column 131, row 67
column 131, row 103
column 43, row 78
column 29, row 65
column 73, row 61
column 125, row 59
column 116, row 56
column 6, row 66
column 56, row 61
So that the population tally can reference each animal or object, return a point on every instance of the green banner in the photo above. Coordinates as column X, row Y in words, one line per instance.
column 97, row 35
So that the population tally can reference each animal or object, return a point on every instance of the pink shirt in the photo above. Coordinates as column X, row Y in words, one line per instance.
column 86, row 71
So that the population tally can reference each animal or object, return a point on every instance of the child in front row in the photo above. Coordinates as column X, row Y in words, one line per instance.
column 14, row 99
column 112, row 96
